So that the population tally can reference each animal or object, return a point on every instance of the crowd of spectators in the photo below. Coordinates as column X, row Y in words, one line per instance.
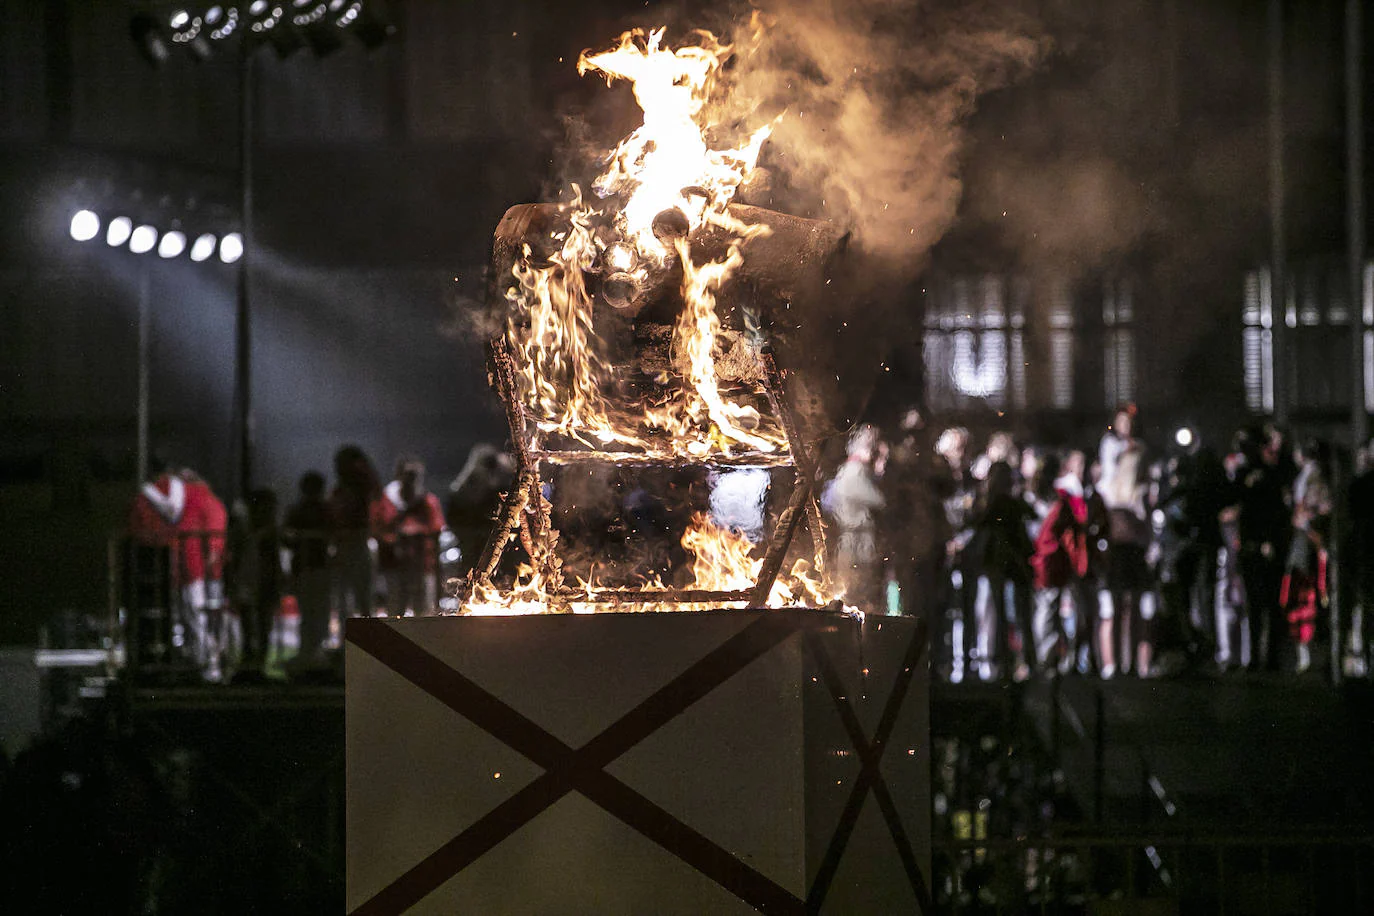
column 1119, row 559
column 360, row 548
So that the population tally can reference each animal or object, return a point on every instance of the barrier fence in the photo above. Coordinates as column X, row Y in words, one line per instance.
column 180, row 603
column 1163, row 874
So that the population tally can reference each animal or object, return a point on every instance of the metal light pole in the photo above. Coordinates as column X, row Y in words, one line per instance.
column 1278, row 298
column 1354, row 168
column 145, row 308
column 243, row 336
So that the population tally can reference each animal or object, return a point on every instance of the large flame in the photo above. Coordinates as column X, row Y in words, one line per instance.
column 661, row 183
column 666, row 166
column 722, row 560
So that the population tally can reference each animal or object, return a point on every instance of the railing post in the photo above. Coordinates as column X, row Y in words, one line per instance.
column 1221, row 879
column 1055, row 681
column 1099, row 755
column 1145, row 792
column 112, row 601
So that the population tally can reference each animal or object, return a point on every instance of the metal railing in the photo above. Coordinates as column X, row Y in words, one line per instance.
column 1223, row 873
column 158, row 606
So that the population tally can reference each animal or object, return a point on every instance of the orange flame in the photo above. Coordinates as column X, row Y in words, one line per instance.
column 722, row 560
column 666, row 164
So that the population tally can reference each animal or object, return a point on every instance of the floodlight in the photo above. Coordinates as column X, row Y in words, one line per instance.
column 142, row 240
column 222, row 25
column 118, row 232
column 203, row 247
column 187, row 30
column 172, row 244
column 85, row 225
column 231, row 248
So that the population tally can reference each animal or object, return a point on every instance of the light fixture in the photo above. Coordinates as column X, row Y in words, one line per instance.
column 172, row 244
column 222, row 25
column 203, row 247
column 85, row 225
column 142, row 240
column 346, row 12
column 119, row 231
column 263, row 17
column 231, row 248
column 187, row 31
column 1184, row 437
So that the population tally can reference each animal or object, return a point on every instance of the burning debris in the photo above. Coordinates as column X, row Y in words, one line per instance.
column 638, row 335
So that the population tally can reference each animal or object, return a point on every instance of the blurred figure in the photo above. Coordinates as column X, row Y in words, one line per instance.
column 914, row 529
column 255, row 574
column 407, row 521
column 1199, row 492
column 1060, row 562
column 306, row 536
column 959, row 491
column 1360, row 501
column 1233, row 634
column 1119, row 437
column 1001, row 447
column 356, row 488
column 202, row 531
column 997, row 560
column 474, row 499
column 853, row 500
column 1039, row 493
column 1262, row 526
column 1303, row 593
column 178, row 510
column 1128, row 576
column 1096, row 588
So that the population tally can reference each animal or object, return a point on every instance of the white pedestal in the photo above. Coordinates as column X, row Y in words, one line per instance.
column 645, row 764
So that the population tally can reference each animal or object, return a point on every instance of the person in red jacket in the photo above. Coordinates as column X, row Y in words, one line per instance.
column 1060, row 562
column 178, row 510
column 406, row 521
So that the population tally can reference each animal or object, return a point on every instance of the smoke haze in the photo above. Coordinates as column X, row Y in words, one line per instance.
column 873, row 95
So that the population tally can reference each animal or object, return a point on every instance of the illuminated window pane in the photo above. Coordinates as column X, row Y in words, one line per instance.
column 1369, row 371
column 1368, row 297
column 1061, row 369
column 1119, row 365
column 1016, row 369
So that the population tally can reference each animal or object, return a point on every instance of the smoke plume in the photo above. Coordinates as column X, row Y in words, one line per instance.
column 872, row 96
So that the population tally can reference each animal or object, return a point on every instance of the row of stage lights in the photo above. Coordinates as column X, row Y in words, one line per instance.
column 143, row 238
column 286, row 24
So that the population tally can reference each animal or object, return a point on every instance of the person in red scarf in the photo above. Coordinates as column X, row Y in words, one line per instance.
column 1059, row 563
column 1303, row 591
column 407, row 520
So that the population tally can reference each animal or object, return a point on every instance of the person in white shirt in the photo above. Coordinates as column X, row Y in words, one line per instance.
column 1119, row 437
